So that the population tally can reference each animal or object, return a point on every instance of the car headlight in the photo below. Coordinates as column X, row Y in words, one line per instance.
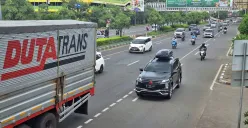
column 166, row 83
column 139, row 79
column 140, row 46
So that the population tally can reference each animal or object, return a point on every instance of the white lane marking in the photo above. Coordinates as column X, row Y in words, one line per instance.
column 189, row 53
column 98, row 114
column 112, row 105
column 130, row 92
column 115, row 53
column 104, row 110
column 135, row 99
column 133, row 63
column 228, row 51
column 125, row 96
column 196, row 53
column 88, row 121
column 119, row 100
column 212, row 85
column 106, row 58
column 158, row 43
column 79, row 126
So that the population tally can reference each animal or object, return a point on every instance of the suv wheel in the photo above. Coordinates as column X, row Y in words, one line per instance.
column 150, row 48
column 179, row 81
column 101, row 69
column 170, row 92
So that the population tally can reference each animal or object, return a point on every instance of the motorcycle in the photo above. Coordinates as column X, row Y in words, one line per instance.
column 183, row 38
column 174, row 44
column 225, row 31
column 193, row 41
column 202, row 54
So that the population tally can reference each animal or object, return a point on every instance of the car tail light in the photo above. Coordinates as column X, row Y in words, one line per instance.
column 150, row 82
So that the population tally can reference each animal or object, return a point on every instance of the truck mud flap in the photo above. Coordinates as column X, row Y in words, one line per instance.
column 78, row 105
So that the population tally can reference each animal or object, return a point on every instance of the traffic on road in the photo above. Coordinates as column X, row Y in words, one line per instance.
column 133, row 89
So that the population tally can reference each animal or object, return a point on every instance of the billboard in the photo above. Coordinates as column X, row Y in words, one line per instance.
column 198, row 3
column 138, row 5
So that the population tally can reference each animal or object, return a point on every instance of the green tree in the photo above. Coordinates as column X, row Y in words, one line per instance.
column 222, row 15
column 18, row 10
column 155, row 18
column 243, row 27
column 66, row 13
column 121, row 21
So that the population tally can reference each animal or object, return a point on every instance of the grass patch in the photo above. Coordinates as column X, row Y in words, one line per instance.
column 155, row 33
column 203, row 23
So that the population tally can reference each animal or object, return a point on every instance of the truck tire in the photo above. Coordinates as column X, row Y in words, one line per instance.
column 23, row 126
column 48, row 120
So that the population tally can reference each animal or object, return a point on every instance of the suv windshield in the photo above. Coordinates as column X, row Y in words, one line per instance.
column 163, row 67
column 138, row 41
column 208, row 31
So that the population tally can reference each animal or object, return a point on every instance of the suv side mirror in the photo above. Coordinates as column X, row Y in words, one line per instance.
column 141, row 69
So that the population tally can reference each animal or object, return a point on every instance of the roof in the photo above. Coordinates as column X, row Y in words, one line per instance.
column 142, row 37
column 29, row 26
column 209, row 29
column 180, row 28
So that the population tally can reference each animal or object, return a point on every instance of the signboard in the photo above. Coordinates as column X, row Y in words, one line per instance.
column 138, row 5
column 198, row 3
column 238, row 59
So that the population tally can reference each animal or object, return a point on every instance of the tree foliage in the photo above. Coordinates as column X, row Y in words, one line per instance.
column 222, row 15
column 154, row 17
column 243, row 27
column 121, row 21
column 18, row 10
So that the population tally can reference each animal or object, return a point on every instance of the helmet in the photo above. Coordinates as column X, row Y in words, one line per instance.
column 203, row 44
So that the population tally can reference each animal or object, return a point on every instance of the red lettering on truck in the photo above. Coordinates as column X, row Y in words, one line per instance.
column 20, row 54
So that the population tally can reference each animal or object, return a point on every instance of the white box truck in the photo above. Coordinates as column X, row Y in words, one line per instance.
column 46, row 71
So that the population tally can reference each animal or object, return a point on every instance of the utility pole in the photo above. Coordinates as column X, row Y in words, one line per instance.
column 1, row 17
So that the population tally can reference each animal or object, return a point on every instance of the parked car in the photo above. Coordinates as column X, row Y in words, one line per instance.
column 208, row 33
column 141, row 44
column 192, row 26
column 180, row 32
column 100, row 35
column 100, row 64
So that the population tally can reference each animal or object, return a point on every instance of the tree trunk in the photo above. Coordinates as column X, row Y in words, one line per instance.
column 120, row 32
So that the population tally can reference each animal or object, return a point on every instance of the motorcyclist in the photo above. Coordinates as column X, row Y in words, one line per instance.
column 203, row 46
column 193, row 36
column 174, row 39
column 225, row 28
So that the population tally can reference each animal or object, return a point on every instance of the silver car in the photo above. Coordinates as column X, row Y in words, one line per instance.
column 208, row 33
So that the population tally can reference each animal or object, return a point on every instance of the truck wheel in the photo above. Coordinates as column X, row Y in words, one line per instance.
column 48, row 120
column 23, row 126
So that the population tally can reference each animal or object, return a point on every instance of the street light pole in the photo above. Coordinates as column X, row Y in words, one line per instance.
column 1, row 17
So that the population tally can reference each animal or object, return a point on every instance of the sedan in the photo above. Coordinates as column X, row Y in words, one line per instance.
column 196, row 31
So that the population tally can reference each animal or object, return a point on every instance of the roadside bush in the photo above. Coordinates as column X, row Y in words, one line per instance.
column 167, row 29
column 111, row 40
column 179, row 26
column 239, row 37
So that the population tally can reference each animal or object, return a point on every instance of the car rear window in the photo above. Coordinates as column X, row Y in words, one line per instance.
column 179, row 30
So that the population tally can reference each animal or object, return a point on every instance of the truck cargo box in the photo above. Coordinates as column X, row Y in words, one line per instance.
column 44, row 63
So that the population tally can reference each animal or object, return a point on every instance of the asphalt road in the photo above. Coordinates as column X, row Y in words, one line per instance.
column 116, row 104
column 133, row 30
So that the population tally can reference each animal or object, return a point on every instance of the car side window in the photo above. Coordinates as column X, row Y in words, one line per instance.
column 98, row 56
column 175, row 65
column 147, row 40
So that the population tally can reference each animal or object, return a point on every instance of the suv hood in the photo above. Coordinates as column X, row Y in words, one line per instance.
column 154, row 75
column 178, row 32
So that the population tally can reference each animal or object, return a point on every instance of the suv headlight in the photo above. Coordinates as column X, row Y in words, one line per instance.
column 139, row 79
column 166, row 83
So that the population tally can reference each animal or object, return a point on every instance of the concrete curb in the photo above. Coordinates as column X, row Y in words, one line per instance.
column 222, row 75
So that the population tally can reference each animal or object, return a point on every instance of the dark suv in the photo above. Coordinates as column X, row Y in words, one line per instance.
column 192, row 26
column 160, row 76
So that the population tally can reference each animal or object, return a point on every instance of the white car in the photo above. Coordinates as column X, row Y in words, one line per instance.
column 100, row 35
column 141, row 44
column 100, row 64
